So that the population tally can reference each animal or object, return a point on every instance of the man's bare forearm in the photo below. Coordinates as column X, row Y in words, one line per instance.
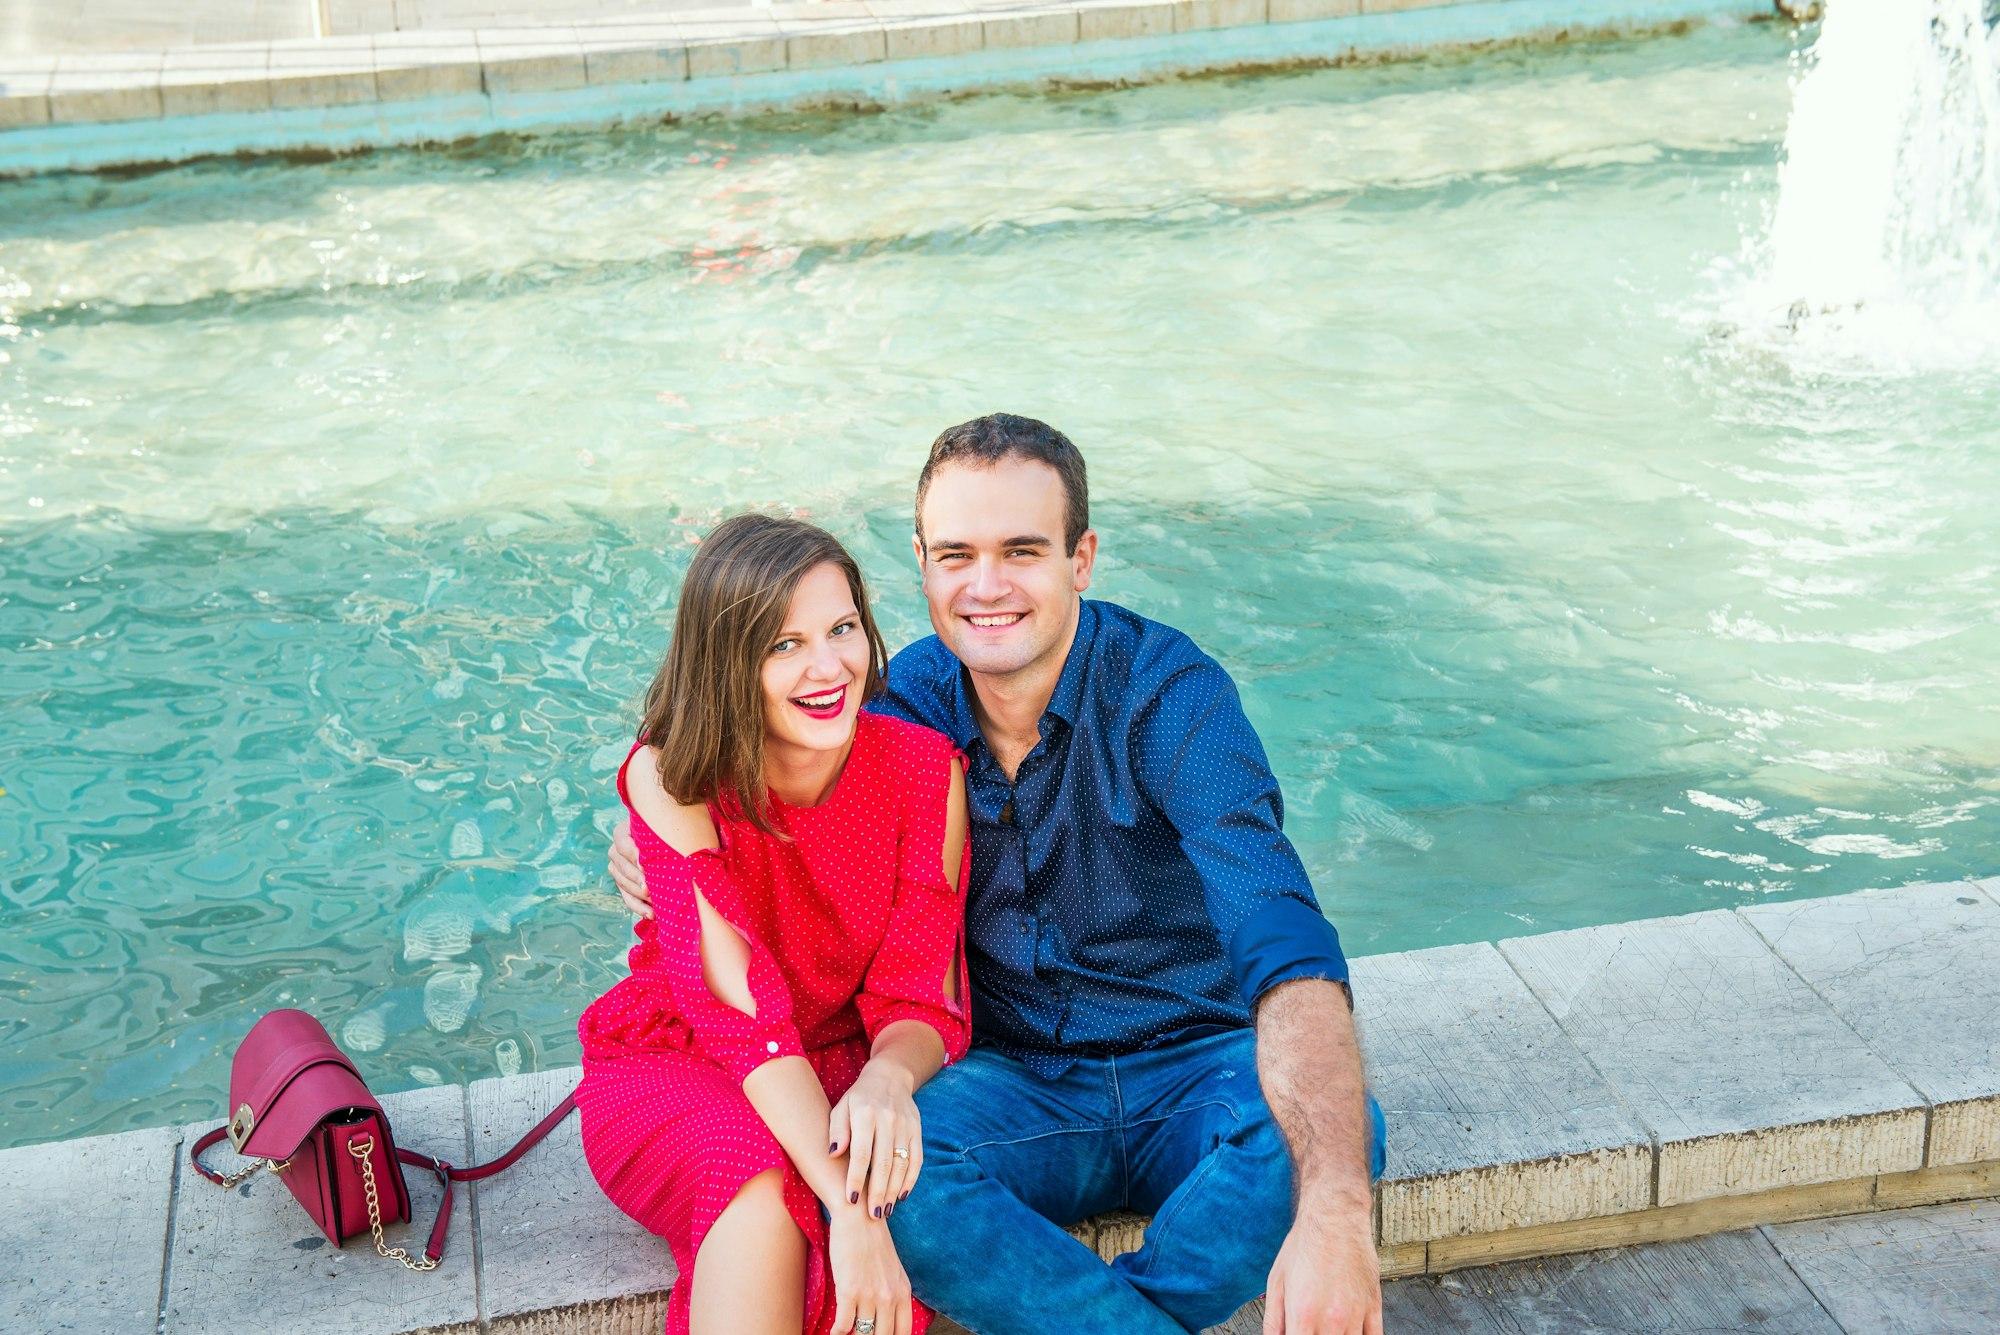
column 1310, row 1067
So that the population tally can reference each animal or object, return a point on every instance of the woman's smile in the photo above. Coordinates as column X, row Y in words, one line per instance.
column 823, row 704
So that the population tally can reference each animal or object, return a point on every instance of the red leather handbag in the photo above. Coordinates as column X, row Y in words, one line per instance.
column 301, row 1108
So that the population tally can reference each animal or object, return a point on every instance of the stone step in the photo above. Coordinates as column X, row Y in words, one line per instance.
column 1648, row 1081
column 64, row 1203
column 1745, row 1077
column 1497, row 1118
column 1916, row 973
column 555, row 1256
column 1915, row 1271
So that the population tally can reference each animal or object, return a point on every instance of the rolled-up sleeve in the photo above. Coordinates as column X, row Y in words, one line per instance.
column 926, row 936
column 670, row 963
column 1200, row 762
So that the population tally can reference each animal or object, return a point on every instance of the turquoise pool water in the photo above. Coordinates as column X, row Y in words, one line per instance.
column 342, row 505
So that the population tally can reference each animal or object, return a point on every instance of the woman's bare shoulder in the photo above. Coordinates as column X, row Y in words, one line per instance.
column 685, row 827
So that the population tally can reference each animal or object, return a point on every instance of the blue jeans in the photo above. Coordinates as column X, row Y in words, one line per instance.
column 1179, row 1132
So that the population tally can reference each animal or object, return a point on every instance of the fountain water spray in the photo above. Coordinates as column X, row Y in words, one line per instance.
column 1887, row 225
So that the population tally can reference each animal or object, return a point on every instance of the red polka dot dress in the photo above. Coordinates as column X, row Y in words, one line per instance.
column 851, row 926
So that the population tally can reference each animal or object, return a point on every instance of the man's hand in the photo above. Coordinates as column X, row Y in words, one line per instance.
column 624, row 865
column 1326, row 1280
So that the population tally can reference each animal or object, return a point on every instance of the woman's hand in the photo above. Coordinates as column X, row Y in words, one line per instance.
column 877, row 1125
column 868, row 1278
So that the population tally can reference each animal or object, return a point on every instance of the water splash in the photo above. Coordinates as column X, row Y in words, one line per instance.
column 1883, row 249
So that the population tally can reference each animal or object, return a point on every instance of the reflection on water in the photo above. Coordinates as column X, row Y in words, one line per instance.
column 341, row 510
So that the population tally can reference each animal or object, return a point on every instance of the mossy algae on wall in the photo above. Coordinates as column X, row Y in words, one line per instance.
column 350, row 93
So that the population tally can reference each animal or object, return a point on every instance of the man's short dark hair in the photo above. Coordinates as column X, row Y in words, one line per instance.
column 985, row 441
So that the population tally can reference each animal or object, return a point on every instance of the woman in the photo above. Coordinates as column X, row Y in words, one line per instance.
column 747, row 1090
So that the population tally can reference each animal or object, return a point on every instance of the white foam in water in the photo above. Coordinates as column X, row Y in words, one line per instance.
column 1881, row 251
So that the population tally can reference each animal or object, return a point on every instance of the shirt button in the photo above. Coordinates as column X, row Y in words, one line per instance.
column 772, row 1046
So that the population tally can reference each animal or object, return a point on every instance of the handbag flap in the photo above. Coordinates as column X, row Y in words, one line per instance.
column 289, row 1075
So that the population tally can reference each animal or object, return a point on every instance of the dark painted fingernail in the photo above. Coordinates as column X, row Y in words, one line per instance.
column 878, row 1212
column 833, row 1148
column 892, row 1208
column 854, row 1198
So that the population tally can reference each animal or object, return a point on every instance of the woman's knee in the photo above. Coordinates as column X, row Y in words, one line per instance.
column 749, row 1272
column 758, row 1211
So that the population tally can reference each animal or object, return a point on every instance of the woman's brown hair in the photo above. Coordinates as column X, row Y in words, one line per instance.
column 705, row 708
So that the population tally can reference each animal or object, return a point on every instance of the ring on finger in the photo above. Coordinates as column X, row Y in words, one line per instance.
column 864, row 1325
column 903, row 1152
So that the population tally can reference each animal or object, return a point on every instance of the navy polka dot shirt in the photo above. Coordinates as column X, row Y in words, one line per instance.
column 1133, row 886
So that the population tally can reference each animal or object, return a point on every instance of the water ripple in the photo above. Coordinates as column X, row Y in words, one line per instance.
column 329, row 573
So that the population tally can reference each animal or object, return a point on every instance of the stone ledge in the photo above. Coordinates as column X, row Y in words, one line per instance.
column 1746, row 1079
column 1499, row 1120
column 1916, row 973
column 1636, row 1083
column 65, row 1202
column 554, row 1254
column 89, row 111
column 1930, row 1186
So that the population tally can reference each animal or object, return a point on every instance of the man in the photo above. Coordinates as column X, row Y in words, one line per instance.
column 1142, row 940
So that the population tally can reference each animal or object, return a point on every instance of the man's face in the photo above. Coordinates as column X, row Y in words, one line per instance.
column 1002, row 591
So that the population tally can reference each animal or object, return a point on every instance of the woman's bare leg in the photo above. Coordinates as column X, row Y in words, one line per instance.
column 750, row 1275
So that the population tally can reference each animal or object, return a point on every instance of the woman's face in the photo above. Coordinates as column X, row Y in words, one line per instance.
column 814, row 671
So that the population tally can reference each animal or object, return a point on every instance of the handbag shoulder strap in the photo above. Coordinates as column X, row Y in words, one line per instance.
column 521, row 1146
column 447, row 1174
column 201, row 1146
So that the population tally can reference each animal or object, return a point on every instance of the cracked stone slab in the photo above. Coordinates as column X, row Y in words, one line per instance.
column 1723, row 1282
column 67, row 1204
column 1496, row 1119
column 250, row 1259
column 1746, row 1078
column 1916, row 972
column 554, row 1253
column 1910, row 1271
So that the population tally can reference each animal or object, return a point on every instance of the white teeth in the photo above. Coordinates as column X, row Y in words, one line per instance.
column 1005, row 619
column 826, row 701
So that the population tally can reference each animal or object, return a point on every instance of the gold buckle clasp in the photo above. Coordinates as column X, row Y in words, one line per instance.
column 240, row 1127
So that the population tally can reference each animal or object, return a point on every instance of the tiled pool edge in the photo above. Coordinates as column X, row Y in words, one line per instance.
column 1514, row 1131
column 579, row 82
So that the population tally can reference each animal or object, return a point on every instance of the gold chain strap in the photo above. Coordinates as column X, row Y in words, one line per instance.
column 361, row 1148
column 231, row 1179
column 256, row 1165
